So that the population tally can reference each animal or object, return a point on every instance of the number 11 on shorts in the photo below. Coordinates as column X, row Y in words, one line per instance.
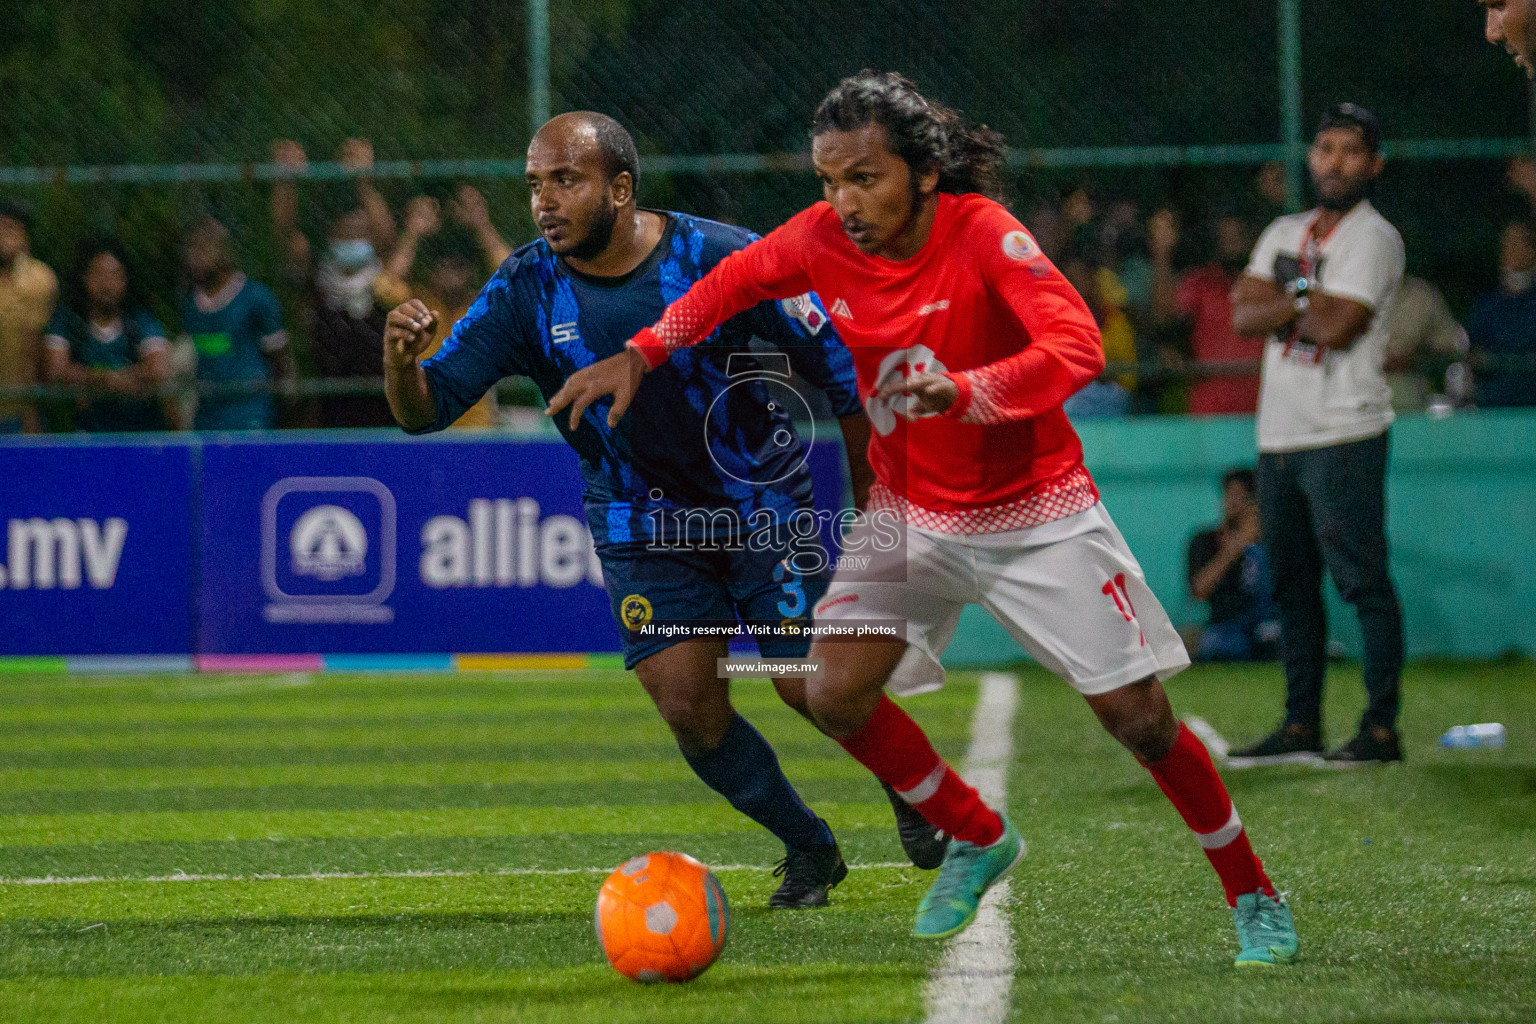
column 1115, row 589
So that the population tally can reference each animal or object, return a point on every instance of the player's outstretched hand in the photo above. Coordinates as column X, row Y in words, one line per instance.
column 931, row 394
column 408, row 330
column 618, row 376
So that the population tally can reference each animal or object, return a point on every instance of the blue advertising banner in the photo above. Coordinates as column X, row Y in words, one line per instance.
column 393, row 546
column 97, row 549
column 231, row 546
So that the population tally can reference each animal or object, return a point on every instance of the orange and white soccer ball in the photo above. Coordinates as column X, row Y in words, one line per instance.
column 662, row 917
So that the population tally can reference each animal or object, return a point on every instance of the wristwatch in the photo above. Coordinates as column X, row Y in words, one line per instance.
column 1298, row 291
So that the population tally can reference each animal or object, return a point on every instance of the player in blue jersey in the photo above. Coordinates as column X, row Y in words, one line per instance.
column 691, row 525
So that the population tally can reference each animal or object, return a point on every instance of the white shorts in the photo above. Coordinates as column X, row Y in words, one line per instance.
column 1070, row 592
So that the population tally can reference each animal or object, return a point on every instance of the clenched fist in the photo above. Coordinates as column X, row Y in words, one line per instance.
column 408, row 331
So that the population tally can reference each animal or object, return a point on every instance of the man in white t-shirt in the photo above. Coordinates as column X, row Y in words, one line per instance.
column 1321, row 285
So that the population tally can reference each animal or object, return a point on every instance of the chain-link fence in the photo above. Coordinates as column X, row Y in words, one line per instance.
column 133, row 117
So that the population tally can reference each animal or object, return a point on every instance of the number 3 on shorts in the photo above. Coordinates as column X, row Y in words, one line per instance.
column 794, row 603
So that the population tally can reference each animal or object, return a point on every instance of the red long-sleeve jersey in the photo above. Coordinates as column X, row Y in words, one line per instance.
column 980, row 303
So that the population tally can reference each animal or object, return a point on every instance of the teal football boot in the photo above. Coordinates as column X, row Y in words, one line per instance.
column 967, row 872
column 1265, row 930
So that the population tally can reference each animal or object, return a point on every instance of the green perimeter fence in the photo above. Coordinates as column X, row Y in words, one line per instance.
column 132, row 117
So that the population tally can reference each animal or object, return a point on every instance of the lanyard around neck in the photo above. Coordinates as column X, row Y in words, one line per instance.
column 1312, row 246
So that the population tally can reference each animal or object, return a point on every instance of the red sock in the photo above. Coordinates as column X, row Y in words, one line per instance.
column 1188, row 779
column 894, row 747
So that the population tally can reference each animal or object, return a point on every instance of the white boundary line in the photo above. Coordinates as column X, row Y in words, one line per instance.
column 326, row 876
column 974, row 982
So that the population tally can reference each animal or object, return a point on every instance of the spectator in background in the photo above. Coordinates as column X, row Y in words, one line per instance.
column 28, row 290
column 1078, row 211
column 1423, row 341
column 1502, row 326
column 1102, row 398
column 1228, row 569
column 101, row 342
column 1269, row 189
column 1200, row 301
column 1123, row 249
column 455, row 264
column 343, row 319
column 1321, row 285
column 236, row 326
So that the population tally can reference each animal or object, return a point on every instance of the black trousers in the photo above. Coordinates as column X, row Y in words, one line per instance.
column 1326, row 508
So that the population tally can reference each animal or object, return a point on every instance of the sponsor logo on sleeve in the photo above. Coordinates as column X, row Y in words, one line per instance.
column 804, row 309
column 1017, row 245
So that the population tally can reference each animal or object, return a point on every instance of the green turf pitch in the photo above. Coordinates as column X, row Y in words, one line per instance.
column 455, row 830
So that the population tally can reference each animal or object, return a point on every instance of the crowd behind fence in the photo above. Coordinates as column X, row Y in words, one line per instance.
column 101, row 356
column 1150, row 140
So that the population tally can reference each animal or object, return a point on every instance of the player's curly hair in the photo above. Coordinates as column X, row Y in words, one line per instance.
column 925, row 133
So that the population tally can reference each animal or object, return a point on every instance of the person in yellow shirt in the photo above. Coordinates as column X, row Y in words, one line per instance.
column 1104, row 294
column 1115, row 328
column 451, row 280
column 28, row 291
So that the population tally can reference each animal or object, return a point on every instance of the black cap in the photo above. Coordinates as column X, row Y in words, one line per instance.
column 1352, row 115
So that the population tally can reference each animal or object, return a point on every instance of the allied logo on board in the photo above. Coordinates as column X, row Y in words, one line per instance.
column 507, row 542
column 338, row 534
column 329, row 549
column 329, row 543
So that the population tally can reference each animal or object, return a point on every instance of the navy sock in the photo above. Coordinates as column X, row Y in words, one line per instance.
column 745, row 770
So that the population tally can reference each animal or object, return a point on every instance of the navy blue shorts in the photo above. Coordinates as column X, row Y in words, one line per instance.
column 647, row 585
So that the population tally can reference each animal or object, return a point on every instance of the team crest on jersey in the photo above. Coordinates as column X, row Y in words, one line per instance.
column 635, row 610
column 899, row 365
column 1017, row 245
column 803, row 309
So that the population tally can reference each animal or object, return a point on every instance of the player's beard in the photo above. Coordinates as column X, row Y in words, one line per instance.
column 915, row 200
column 598, row 235
column 1342, row 202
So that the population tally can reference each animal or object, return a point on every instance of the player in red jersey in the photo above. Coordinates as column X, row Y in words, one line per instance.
column 966, row 342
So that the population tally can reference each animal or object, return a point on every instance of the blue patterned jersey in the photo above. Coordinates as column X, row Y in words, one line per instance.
column 716, row 426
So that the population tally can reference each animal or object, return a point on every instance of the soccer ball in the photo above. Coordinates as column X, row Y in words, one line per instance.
column 662, row 917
